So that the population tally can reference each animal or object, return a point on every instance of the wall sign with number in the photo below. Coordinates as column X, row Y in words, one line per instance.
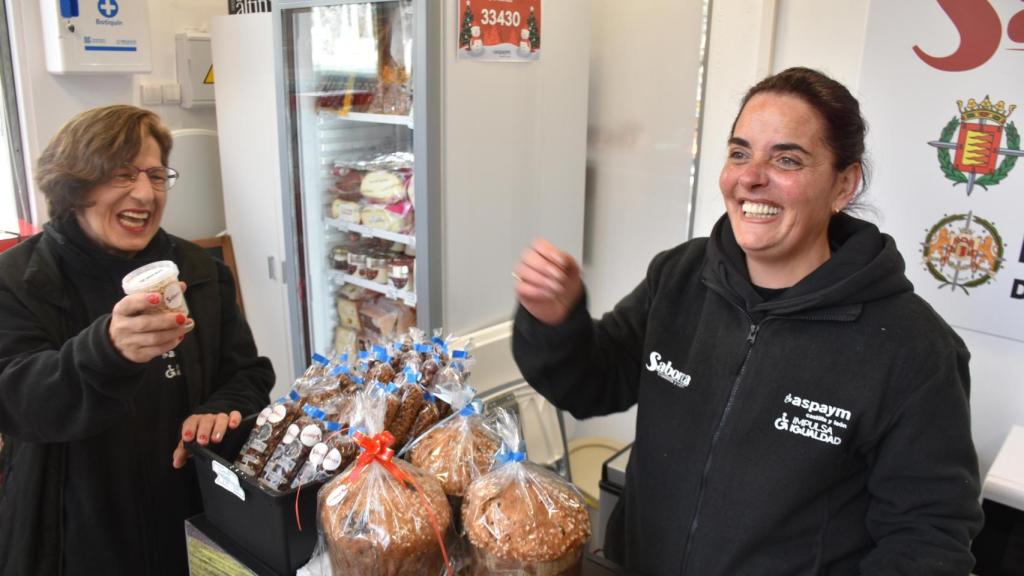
column 502, row 30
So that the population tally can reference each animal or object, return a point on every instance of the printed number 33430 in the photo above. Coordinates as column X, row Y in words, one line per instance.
column 500, row 18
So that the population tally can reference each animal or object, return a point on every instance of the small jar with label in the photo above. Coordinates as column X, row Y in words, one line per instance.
column 401, row 272
column 339, row 258
column 377, row 268
column 356, row 261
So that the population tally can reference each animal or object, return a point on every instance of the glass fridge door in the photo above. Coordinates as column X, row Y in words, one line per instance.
column 348, row 72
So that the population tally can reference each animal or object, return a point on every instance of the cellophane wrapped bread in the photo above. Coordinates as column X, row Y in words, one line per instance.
column 521, row 518
column 382, row 516
column 274, row 420
column 461, row 448
column 337, row 449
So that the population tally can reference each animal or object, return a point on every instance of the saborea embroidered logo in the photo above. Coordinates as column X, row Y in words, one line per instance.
column 821, row 422
column 667, row 372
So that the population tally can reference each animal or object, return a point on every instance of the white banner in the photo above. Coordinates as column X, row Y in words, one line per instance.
column 942, row 89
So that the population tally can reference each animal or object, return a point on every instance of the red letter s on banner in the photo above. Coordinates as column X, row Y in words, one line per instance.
column 980, row 32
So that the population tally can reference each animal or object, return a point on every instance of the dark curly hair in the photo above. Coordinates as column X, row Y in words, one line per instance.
column 89, row 148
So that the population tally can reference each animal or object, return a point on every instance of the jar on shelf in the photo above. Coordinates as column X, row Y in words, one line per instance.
column 401, row 272
column 377, row 267
column 357, row 260
column 339, row 258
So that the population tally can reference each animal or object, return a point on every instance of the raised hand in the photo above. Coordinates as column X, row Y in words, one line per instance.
column 548, row 282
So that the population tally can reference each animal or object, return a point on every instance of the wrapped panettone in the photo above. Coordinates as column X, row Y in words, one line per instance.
column 521, row 518
column 382, row 516
column 456, row 453
column 460, row 449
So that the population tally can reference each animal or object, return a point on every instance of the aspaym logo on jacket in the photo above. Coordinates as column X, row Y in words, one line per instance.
column 666, row 372
column 819, row 421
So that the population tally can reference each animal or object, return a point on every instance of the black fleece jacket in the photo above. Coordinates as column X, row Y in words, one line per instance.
column 71, row 406
column 825, row 431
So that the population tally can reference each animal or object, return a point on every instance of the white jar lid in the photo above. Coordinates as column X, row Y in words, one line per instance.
column 149, row 277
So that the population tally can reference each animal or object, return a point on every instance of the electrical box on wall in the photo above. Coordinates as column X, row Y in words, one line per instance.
column 96, row 36
column 195, row 68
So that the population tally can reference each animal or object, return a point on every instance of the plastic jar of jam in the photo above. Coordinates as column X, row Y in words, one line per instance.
column 339, row 258
column 378, row 268
column 401, row 272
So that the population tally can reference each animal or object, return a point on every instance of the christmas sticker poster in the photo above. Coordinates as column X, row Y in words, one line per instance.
column 499, row 30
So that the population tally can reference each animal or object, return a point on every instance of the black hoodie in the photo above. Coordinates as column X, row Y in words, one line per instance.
column 825, row 431
column 86, row 484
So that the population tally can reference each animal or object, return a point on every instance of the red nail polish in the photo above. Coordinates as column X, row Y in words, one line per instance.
column 180, row 319
column 202, row 438
column 153, row 298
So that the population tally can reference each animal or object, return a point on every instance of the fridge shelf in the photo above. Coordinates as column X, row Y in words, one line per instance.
column 406, row 239
column 409, row 298
column 367, row 117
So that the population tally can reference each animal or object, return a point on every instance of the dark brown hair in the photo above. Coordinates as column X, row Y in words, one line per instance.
column 89, row 148
column 845, row 128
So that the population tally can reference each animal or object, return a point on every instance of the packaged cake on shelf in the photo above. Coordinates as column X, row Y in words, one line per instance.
column 396, row 218
column 384, row 319
column 346, row 341
column 382, row 516
column 386, row 186
column 347, row 211
column 348, row 313
column 521, row 518
column 348, row 182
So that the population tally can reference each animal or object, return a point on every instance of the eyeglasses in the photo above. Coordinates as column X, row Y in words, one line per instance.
column 160, row 177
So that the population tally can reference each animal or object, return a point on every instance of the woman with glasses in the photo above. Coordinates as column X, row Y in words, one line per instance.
column 98, row 389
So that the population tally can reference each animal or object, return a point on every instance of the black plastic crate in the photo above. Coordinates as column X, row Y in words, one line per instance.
column 263, row 524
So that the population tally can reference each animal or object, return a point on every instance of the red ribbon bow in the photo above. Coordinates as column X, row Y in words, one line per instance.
column 378, row 449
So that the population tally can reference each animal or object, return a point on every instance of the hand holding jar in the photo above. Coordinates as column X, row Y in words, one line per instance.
column 153, row 318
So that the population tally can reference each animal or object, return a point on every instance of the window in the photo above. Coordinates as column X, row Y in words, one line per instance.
column 15, row 211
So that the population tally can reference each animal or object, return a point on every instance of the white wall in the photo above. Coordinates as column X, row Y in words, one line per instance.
column 644, row 64
column 514, row 163
column 47, row 100
column 830, row 36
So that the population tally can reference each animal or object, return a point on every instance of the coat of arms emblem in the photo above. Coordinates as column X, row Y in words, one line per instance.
column 963, row 251
column 977, row 148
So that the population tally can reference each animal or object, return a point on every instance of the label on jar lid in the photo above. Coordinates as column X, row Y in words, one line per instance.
column 264, row 414
column 332, row 460
column 316, row 455
column 310, row 435
column 150, row 277
column 277, row 414
column 291, row 434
